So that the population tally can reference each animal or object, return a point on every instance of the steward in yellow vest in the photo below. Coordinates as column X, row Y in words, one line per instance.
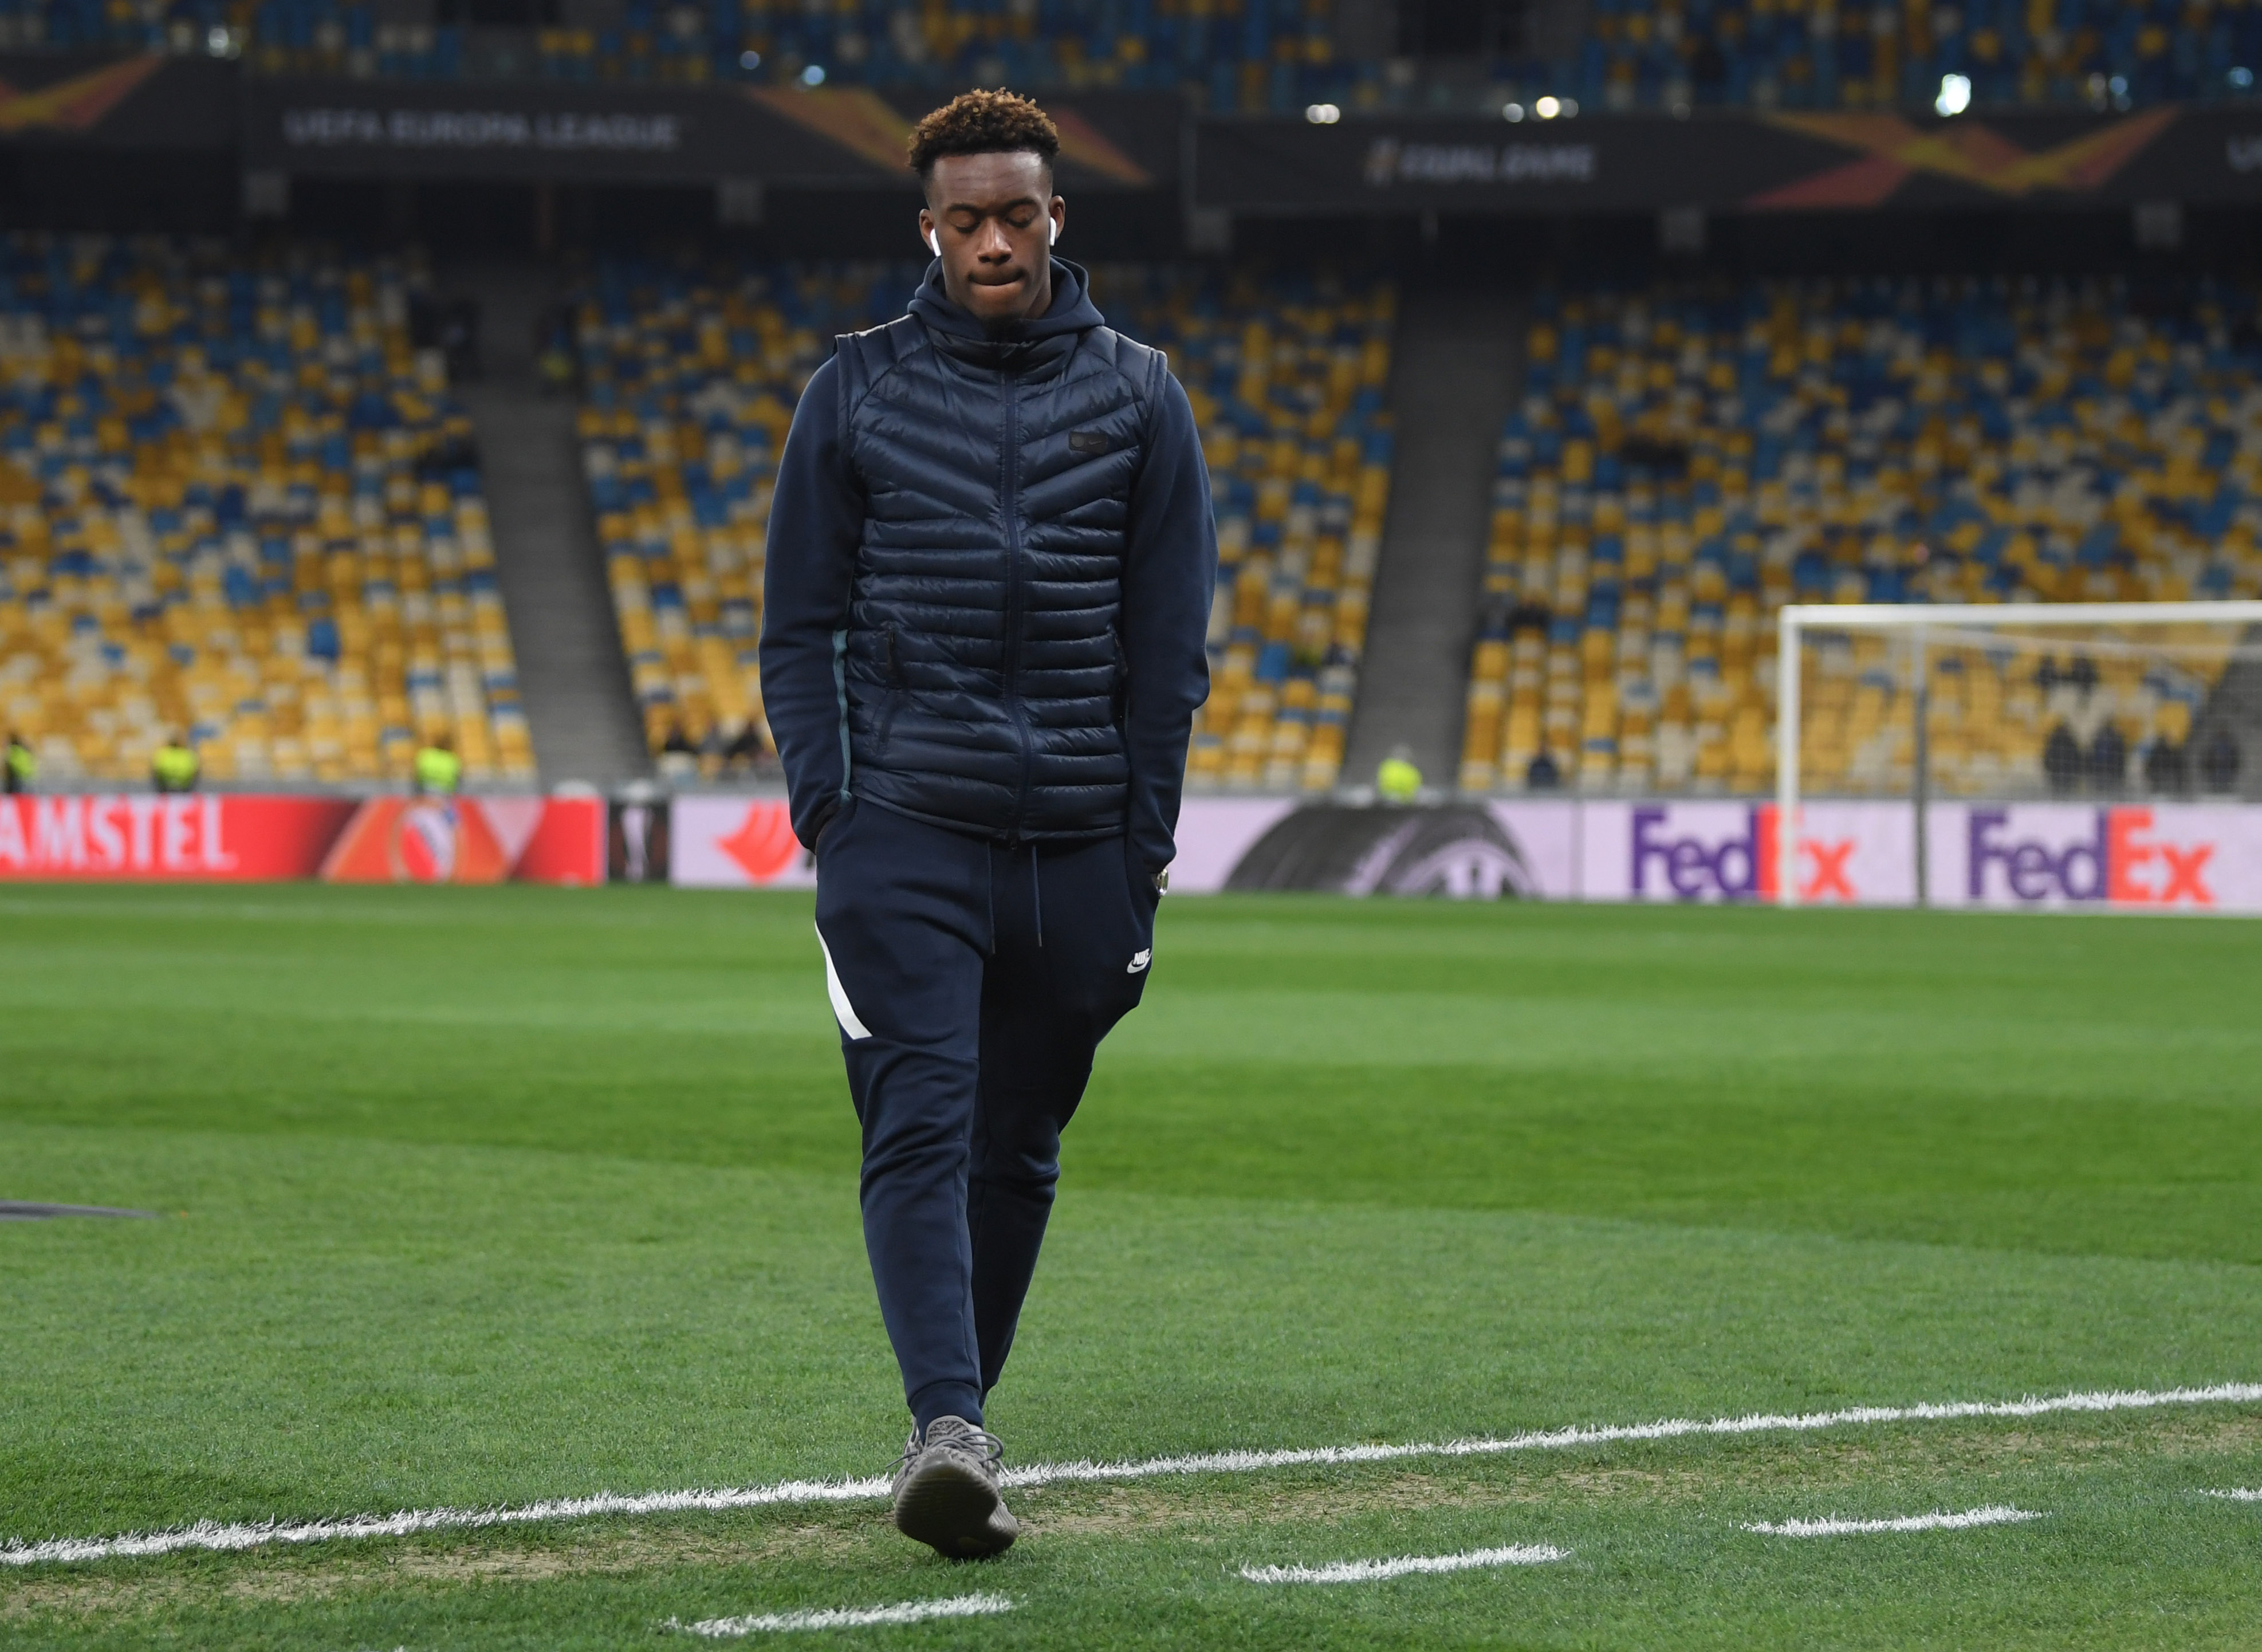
column 174, row 765
column 1398, row 779
column 439, row 771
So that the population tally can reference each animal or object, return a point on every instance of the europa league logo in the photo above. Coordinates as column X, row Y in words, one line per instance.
column 423, row 846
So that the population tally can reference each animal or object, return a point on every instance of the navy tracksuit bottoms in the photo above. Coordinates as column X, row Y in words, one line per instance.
column 972, row 981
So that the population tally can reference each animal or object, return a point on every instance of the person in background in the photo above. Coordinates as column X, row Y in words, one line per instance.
column 2218, row 762
column 1542, row 774
column 2062, row 760
column 554, row 364
column 173, row 767
column 1398, row 780
column 748, row 748
column 439, row 771
column 679, row 756
column 23, row 767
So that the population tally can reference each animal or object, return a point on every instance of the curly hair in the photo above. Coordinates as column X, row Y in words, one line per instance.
column 982, row 123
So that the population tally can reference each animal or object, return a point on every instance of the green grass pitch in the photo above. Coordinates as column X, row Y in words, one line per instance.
column 473, row 1198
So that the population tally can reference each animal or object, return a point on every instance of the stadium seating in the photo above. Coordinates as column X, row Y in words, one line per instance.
column 1287, row 382
column 690, row 381
column 236, row 501
column 1245, row 54
column 1252, row 55
column 1682, row 464
column 1662, row 53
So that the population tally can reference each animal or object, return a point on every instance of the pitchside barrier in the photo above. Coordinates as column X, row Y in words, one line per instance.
column 2107, row 855
column 227, row 837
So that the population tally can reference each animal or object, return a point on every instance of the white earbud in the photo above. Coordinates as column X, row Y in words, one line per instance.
column 935, row 243
column 1052, row 231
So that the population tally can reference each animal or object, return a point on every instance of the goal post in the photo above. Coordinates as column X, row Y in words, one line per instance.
column 1856, row 684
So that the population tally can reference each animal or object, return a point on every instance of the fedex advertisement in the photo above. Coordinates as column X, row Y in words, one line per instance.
column 2136, row 857
column 1849, row 853
column 225, row 837
column 2142, row 858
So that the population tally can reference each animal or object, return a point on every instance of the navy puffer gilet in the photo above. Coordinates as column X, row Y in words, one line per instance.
column 980, row 672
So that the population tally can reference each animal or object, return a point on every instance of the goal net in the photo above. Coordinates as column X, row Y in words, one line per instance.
column 1989, row 754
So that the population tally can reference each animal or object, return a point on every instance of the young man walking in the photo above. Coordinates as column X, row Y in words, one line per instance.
column 989, row 573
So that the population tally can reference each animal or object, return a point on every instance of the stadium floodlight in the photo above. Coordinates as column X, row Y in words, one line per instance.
column 2241, row 79
column 813, row 76
column 1954, row 94
column 1322, row 114
column 1511, row 113
column 2009, row 702
column 1548, row 107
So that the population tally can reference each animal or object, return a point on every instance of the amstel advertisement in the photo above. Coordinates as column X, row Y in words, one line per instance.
column 222, row 837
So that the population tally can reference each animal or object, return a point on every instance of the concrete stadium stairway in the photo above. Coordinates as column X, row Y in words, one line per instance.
column 571, row 672
column 1454, row 372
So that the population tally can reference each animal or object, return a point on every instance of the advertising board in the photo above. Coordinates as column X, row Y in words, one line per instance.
column 1224, row 843
column 736, row 843
column 1731, row 160
column 1850, row 854
column 224, row 837
column 2180, row 857
column 2161, row 857
column 838, row 137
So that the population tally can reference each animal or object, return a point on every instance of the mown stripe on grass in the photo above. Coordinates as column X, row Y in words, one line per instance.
column 1938, row 1520
column 1375, row 1571
column 981, row 1605
column 209, row 1534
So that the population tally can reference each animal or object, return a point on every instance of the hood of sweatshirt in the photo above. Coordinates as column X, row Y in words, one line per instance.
column 1023, row 346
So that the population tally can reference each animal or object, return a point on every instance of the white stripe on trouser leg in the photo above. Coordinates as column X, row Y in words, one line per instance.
column 843, row 1010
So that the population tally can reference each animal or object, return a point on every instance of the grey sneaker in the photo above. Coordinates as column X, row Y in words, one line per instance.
column 946, row 1490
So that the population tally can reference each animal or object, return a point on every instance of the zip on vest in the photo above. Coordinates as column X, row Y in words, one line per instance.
column 1009, row 494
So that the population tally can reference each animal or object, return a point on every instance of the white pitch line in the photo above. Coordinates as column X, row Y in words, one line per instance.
column 1373, row 1571
column 1939, row 1520
column 847, row 1617
column 2237, row 1494
column 210, row 1534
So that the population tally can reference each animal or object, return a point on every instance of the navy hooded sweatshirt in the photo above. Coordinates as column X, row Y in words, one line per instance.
column 990, row 570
